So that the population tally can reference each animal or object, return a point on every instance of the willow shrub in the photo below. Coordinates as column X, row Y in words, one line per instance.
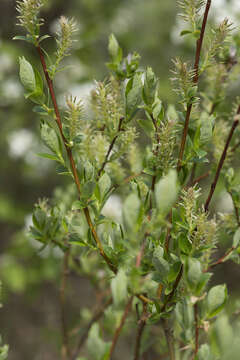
column 153, row 256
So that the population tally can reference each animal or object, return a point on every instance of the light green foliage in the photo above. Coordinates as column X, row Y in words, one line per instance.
column 136, row 224
column 97, row 348
column 166, row 191
column 31, row 81
column 119, row 287
column 216, row 299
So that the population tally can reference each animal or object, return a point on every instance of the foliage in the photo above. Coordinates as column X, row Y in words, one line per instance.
column 158, row 255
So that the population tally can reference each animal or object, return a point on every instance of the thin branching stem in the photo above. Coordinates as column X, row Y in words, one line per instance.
column 220, row 164
column 111, row 146
column 66, row 352
column 221, row 259
column 140, row 330
column 169, row 339
column 172, row 293
column 196, row 325
column 127, row 307
column 120, row 327
column 195, row 81
column 71, row 160
column 97, row 316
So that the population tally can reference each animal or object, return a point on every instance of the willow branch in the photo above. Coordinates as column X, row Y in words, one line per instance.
column 220, row 164
column 221, row 259
column 94, row 319
column 71, row 160
column 127, row 307
column 196, row 331
column 140, row 329
column 172, row 293
column 195, row 81
column 111, row 146
column 66, row 353
column 169, row 339
column 119, row 328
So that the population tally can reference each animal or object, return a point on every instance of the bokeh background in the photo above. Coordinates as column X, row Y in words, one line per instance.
column 30, row 317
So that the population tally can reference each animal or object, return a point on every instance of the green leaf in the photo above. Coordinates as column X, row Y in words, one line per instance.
column 88, row 189
column 185, row 32
column 236, row 238
column 216, row 299
column 50, row 138
column 114, row 49
column 161, row 265
column 158, row 110
column 48, row 156
column 20, row 37
column 204, row 352
column 27, row 75
column 196, row 279
column 131, row 209
column 166, row 191
column 133, row 95
column 40, row 110
column 63, row 170
column 185, row 244
column 77, row 205
column 206, row 130
column 149, row 88
column 97, row 348
column 119, row 287
column 104, row 185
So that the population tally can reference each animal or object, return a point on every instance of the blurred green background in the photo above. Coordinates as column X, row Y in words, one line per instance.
column 30, row 317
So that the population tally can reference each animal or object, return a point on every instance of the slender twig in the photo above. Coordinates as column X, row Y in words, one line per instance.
column 220, row 165
column 199, row 178
column 169, row 339
column 221, row 259
column 196, row 331
column 127, row 307
column 111, row 146
column 140, row 329
column 235, row 208
column 71, row 160
column 168, row 235
column 175, row 286
column 119, row 328
column 235, row 147
column 94, row 319
column 195, row 81
column 66, row 353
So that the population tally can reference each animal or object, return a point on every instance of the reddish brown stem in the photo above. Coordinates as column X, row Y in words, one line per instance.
column 58, row 117
column 195, row 81
column 66, row 353
column 175, row 285
column 221, row 259
column 111, row 146
column 94, row 319
column 71, row 160
column 127, row 307
column 140, row 329
column 196, row 331
column 200, row 41
column 201, row 177
column 169, row 339
column 220, row 165
column 119, row 328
